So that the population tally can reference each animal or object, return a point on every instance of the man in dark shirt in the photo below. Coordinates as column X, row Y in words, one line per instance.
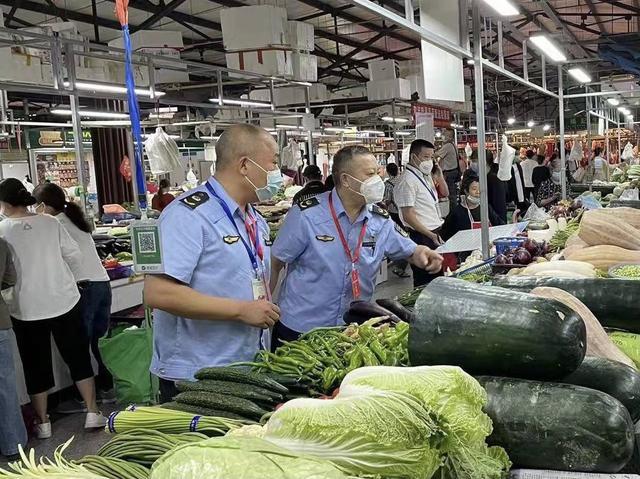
column 313, row 184
column 497, row 189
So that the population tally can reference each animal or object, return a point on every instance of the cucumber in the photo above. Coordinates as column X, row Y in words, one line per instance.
column 241, row 390
column 237, row 375
column 202, row 411
column 488, row 330
column 612, row 301
column 558, row 426
column 611, row 377
column 240, row 406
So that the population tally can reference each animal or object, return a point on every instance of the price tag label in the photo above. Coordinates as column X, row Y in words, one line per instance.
column 146, row 247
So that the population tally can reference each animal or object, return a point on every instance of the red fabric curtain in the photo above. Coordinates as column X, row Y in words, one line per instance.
column 109, row 149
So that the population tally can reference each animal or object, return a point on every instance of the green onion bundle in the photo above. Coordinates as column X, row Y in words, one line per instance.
column 168, row 421
column 144, row 447
column 114, row 468
column 46, row 468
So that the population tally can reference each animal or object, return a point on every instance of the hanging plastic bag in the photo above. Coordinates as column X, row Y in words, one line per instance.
column 627, row 153
column 507, row 155
column 536, row 214
column 468, row 150
column 575, row 157
column 162, row 152
column 192, row 179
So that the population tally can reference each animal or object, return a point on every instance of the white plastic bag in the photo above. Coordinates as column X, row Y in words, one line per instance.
column 630, row 194
column 534, row 213
column 468, row 150
column 576, row 152
column 627, row 153
column 507, row 155
column 162, row 152
column 291, row 156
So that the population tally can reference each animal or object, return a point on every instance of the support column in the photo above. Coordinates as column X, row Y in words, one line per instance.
column 76, row 121
column 563, row 159
column 482, row 156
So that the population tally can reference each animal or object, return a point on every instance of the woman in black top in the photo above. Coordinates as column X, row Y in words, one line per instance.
column 496, row 189
column 467, row 211
column 541, row 173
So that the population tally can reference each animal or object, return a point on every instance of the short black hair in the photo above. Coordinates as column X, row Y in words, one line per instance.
column 597, row 151
column 312, row 172
column 467, row 180
column 392, row 169
column 418, row 145
column 343, row 157
column 164, row 183
column 530, row 154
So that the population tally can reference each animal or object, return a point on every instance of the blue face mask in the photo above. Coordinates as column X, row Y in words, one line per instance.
column 274, row 183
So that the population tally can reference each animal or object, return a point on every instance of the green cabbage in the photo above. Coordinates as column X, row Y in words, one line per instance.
column 384, row 433
column 457, row 400
column 240, row 458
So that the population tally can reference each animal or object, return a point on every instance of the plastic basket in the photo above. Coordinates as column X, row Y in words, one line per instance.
column 482, row 268
column 505, row 244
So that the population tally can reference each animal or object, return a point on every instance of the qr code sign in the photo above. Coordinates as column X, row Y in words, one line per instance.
column 147, row 243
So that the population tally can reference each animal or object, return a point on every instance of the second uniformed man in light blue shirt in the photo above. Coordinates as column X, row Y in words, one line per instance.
column 333, row 246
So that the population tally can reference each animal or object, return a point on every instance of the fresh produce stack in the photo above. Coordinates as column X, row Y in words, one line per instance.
column 319, row 360
column 551, row 408
column 228, row 392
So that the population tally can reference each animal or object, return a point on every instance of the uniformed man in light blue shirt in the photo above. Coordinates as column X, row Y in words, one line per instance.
column 333, row 246
column 213, row 302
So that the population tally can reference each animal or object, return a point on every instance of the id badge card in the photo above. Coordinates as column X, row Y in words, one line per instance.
column 259, row 289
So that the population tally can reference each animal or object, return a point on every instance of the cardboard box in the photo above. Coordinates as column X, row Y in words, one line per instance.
column 383, row 70
column 304, row 66
column 264, row 62
column 253, row 27
column 292, row 95
column 398, row 88
column 300, row 36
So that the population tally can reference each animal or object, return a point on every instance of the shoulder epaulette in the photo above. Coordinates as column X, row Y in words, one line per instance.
column 379, row 211
column 195, row 199
column 308, row 203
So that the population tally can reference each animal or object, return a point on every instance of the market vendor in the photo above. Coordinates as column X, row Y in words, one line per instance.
column 333, row 246
column 212, row 303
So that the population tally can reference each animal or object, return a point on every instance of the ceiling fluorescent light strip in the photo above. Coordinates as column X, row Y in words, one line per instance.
column 91, row 113
column 231, row 101
column 580, row 75
column 503, row 7
column 90, row 86
column 548, row 49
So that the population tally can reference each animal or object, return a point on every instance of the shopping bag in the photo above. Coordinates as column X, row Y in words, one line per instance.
column 507, row 155
column 578, row 175
column 127, row 355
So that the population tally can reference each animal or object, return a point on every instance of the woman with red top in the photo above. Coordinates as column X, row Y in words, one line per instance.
column 162, row 198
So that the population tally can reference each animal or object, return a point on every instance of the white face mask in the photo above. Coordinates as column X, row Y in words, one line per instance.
column 425, row 166
column 473, row 200
column 274, row 183
column 371, row 189
column 556, row 177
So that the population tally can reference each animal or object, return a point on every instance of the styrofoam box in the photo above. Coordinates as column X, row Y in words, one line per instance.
column 253, row 27
column 264, row 62
column 151, row 39
column 100, row 74
column 141, row 75
column 304, row 66
column 300, row 36
column 383, row 70
column 416, row 83
column 291, row 95
column 19, row 67
column 410, row 67
column 398, row 88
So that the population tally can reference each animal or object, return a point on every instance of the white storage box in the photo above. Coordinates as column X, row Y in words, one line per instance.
column 99, row 74
column 253, row 27
column 300, row 36
column 291, row 95
column 305, row 67
column 416, row 83
column 383, row 70
column 389, row 89
column 264, row 62
column 151, row 39
column 19, row 67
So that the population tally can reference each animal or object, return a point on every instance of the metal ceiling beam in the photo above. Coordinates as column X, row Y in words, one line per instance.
column 335, row 58
column 345, row 40
column 12, row 12
column 553, row 16
column 360, row 21
column 635, row 9
column 59, row 12
column 147, row 6
column 163, row 11
column 344, row 59
column 594, row 12
column 32, row 6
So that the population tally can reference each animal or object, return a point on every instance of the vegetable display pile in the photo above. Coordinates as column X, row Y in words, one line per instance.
column 323, row 356
column 113, row 468
column 631, row 271
column 145, row 446
column 524, row 255
column 168, row 421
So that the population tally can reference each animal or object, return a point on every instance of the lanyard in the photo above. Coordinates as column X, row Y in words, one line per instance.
column 421, row 179
column 252, row 231
column 475, row 225
column 353, row 258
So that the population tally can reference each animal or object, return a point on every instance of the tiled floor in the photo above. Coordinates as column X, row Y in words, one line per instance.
column 88, row 442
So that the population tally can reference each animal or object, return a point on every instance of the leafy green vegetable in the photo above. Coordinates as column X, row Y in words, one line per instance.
column 385, row 433
column 240, row 458
column 628, row 343
column 457, row 400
